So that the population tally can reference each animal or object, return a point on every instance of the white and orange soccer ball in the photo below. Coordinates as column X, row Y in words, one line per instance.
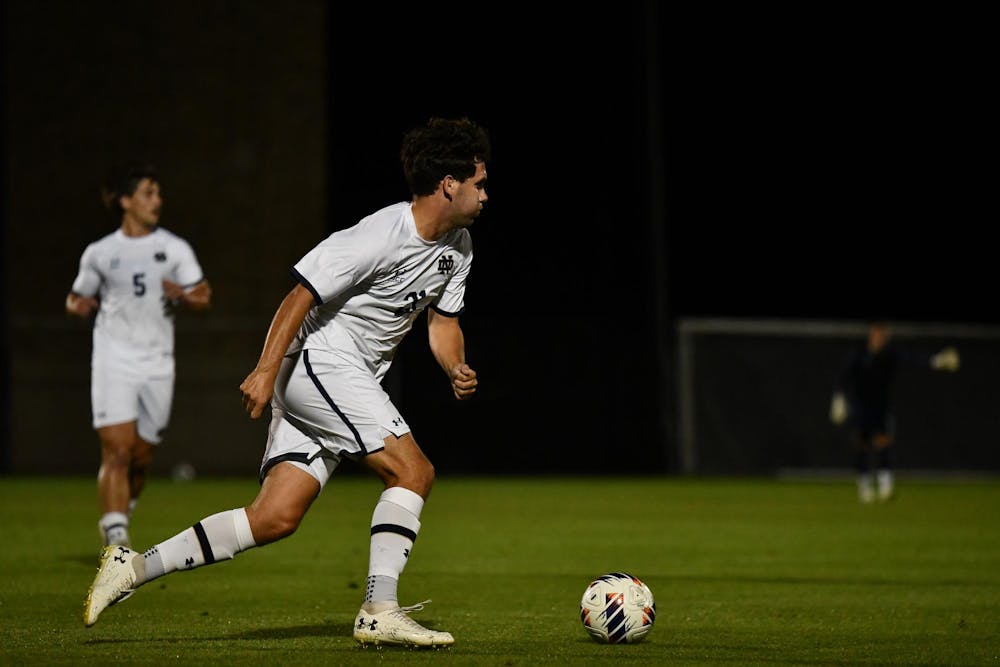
column 617, row 608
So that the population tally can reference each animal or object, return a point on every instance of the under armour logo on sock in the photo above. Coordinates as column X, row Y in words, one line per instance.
column 189, row 562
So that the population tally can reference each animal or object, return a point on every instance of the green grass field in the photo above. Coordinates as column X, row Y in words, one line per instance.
column 745, row 572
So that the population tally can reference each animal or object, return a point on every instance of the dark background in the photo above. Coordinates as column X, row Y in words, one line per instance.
column 649, row 165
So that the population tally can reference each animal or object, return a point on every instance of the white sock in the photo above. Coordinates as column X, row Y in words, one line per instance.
column 114, row 528
column 865, row 489
column 885, row 483
column 395, row 524
column 214, row 538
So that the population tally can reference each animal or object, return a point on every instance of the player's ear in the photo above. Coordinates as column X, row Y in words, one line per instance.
column 448, row 187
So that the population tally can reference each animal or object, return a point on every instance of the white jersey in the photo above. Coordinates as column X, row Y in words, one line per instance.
column 372, row 280
column 126, row 273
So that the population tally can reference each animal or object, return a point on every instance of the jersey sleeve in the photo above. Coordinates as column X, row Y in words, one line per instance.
column 452, row 300
column 338, row 263
column 187, row 271
column 88, row 278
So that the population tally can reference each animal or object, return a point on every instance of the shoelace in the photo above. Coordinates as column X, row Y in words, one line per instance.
column 403, row 615
column 415, row 607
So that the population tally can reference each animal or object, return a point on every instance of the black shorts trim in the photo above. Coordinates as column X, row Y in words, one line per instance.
column 294, row 456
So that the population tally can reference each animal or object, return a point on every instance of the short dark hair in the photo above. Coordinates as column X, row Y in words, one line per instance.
column 122, row 180
column 442, row 147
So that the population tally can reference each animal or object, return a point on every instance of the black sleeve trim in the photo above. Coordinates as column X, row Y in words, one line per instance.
column 305, row 283
column 445, row 312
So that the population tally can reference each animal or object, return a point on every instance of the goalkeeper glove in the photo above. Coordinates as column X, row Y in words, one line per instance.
column 838, row 409
column 946, row 360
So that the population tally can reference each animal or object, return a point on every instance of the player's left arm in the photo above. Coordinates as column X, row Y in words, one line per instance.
column 447, row 344
column 187, row 286
column 197, row 298
column 946, row 360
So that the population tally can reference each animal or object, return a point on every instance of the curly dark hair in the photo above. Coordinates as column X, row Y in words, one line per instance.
column 442, row 147
column 122, row 181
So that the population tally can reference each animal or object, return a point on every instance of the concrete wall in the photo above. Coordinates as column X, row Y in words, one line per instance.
column 229, row 100
column 276, row 123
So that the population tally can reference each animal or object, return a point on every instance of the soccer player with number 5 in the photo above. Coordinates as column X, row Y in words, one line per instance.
column 133, row 278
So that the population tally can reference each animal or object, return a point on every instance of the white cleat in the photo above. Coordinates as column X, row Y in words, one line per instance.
column 394, row 626
column 115, row 581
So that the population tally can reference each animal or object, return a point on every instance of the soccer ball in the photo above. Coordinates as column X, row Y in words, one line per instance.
column 617, row 608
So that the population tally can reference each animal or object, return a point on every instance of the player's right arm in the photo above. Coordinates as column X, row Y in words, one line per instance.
column 258, row 387
column 87, row 280
column 838, row 408
column 80, row 306
column 839, row 405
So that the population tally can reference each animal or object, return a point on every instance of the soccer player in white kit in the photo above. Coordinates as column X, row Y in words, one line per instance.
column 133, row 278
column 329, row 345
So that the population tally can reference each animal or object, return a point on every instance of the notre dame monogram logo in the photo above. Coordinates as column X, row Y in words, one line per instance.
column 446, row 264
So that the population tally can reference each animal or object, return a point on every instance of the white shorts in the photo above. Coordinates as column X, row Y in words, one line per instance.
column 123, row 390
column 326, row 406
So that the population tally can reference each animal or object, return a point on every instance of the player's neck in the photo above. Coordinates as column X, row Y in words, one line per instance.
column 430, row 219
column 132, row 227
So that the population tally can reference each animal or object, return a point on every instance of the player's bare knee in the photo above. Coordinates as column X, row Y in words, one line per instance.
column 427, row 476
column 116, row 457
column 283, row 526
column 271, row 526
column 418, row 478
